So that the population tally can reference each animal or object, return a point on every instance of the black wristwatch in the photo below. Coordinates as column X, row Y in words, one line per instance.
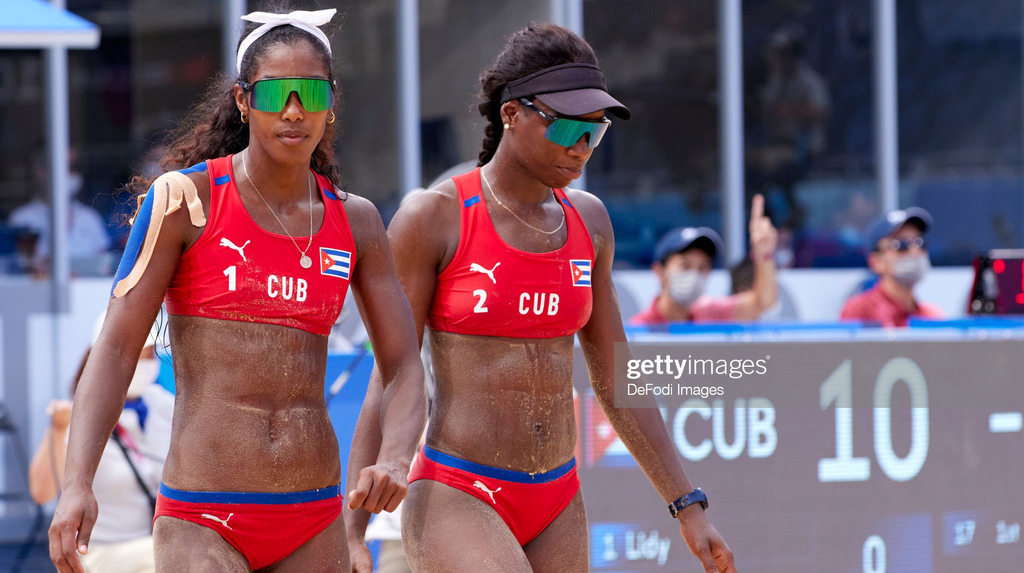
column 695, row 496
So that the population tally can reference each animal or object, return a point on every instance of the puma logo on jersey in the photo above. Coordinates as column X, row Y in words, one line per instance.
column 225, row 242
column 479, row 485
column 223, row 522
column 478, row 269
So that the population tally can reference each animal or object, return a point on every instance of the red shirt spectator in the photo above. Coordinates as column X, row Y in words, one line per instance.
column 873, row 305
column 899, row 256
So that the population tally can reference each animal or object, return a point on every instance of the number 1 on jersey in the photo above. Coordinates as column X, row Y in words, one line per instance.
column 230, row 273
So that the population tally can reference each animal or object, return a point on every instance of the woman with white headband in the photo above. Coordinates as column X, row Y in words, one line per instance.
column 253, row 246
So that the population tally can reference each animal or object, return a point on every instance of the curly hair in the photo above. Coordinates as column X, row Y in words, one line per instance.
column 213, row 128
column 534, row 48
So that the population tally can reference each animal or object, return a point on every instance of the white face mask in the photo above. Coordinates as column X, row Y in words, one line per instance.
column 908, row 271
column 685, row 287
column 74, row 184
column 145, row 374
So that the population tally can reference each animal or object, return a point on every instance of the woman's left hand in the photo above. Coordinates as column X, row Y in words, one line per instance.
column 704, row 541
column 380, row 487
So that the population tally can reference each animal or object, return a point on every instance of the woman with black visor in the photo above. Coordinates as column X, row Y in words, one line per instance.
column 505, row 265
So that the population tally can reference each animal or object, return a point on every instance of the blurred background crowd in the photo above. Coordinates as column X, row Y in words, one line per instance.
column 807, row 101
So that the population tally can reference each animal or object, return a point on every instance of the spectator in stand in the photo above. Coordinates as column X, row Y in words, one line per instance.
column 684, row 257
column 86, row 229
column 899, row 256
column 128, row 474
column 792, row 129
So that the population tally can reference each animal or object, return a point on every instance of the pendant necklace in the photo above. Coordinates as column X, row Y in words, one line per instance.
column 304, row 260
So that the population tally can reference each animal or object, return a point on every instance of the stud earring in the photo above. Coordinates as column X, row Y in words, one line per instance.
column 507, row 126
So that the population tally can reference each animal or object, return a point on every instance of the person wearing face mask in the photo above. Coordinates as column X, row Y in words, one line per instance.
column 899, row 256
column 87, row 234
column 683, row 261
column 128, row 474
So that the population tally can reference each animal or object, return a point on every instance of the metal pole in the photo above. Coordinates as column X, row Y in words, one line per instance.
column 569, row 13
column 730, row 117
column 58, row 142
column 411, row 158
column 886, row 118
column 230, row 28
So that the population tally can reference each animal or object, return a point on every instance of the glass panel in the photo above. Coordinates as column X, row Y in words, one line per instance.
column 365, row 50
column 808, row 115
column 450, row 67
column 658, row 170
column 960, row 123
column 24, row 191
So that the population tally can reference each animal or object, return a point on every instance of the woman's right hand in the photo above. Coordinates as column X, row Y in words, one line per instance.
column 71, row 528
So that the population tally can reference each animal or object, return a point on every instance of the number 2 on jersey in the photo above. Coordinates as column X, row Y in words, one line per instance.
column 480, row 303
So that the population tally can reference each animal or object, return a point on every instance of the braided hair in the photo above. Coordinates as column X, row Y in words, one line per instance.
column 534, row 48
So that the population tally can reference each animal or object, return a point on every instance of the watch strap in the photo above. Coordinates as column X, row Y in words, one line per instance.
column 695, row 496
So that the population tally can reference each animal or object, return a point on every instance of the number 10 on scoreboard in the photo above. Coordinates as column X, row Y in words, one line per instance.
column 838, row 390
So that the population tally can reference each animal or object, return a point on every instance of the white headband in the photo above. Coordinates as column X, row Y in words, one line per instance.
column 302, row 19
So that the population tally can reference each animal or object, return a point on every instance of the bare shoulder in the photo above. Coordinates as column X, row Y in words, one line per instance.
column 427, row 225
column 201, row 180
column 434, row 207
column 360, row 210
column 364, row 220
column 594, row 214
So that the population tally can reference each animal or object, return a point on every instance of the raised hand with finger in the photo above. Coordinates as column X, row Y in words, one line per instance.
column 763, row 236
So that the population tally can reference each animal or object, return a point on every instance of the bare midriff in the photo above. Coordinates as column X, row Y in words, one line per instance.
column 503, row 402
column 250, row 413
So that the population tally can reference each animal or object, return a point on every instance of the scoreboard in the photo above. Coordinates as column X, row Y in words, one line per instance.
column 839, row 456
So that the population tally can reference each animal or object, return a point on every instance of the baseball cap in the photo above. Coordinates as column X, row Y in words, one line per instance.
column 682, row 238
column 893, row 220
column 570, row 89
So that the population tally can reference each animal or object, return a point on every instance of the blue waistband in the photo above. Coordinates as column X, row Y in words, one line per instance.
column 283, row 498
column 498, row 473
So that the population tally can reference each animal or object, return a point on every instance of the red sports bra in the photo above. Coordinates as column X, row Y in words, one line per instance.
column 239, row 271
column 493, row 289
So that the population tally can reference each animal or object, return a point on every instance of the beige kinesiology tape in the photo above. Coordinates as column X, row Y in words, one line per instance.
column 169, row 190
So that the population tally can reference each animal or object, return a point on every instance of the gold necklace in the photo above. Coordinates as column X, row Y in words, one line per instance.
column 304, row 261
column 500, row 204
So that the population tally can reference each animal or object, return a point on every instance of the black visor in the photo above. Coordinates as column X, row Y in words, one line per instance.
column 569, row 89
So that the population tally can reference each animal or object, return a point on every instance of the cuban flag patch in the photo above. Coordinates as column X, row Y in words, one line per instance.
column 580, row 272
column 335, row 262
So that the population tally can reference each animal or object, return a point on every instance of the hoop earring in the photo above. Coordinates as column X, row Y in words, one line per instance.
column 245, row 118
column 332, row 117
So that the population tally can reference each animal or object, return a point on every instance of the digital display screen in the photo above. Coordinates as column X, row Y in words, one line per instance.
column 998, row 283
column 1010, row 280
column 836, row 456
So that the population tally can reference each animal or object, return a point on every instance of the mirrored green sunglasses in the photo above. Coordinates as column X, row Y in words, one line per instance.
column 271, row 95
column 566, row 132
